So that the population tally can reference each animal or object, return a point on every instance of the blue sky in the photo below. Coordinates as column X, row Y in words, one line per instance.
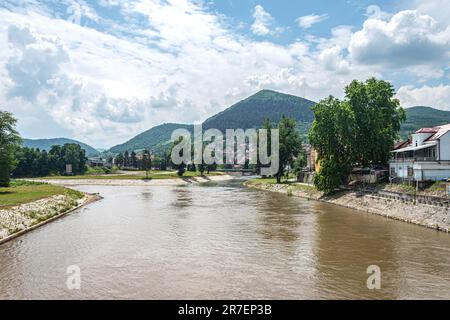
column 103, row 71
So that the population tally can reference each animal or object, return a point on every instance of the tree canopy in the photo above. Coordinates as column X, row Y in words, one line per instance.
column 9, row 141
column 34, row 162
column 290, row 144
column 359, row 130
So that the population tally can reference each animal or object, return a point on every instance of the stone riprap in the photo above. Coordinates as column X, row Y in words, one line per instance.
column 25, row 216
column 430, row 216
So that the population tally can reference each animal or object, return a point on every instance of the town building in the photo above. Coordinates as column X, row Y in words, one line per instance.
column 425, row 157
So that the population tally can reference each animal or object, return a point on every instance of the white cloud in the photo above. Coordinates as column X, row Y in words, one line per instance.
column 407, row 39
column 263, row 21
column 308, row 21
column 170, row 61
column 332, row 60
column 436, row 97
column 375, row 12
column 438, row 9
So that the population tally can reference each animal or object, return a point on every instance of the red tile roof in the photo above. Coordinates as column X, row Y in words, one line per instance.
column 401, row 144
column 428, row 130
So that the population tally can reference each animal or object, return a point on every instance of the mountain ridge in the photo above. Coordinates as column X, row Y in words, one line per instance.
column 46, row 144
column 154, row 139
column 245, row 114
column 422, row 117
column 250, row 113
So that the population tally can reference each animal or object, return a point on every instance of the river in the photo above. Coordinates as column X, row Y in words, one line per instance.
column 223, row 241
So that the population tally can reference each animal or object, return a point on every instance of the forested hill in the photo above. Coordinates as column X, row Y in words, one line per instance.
column 251, row 112
column 156, row 139
column 46, row 144
column 423, row 117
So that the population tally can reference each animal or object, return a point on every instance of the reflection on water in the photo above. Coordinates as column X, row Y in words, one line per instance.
column 223, row 241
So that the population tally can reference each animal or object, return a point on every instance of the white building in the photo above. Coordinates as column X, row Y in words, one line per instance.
column 425, row 157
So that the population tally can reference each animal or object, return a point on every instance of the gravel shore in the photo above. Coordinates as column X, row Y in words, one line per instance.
column 134, row 182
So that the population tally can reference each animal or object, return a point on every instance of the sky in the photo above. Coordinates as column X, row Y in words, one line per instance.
column 103, row 71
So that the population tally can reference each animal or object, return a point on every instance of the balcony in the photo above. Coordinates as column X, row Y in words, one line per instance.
column 415, row 159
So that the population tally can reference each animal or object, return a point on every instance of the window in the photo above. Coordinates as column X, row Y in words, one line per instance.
column 392, row 172
column 410, row 172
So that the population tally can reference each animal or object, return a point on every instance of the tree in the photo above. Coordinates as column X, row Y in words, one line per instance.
column 181, row 168
column 360, row 130
column 126, row 159
column 56, row 160
column 120, row 160
column 378, row 116
column 299, row 163
column 42, row 160
column 9, row 141
column 146, row 162
column 290, row 144
column 74, row 155
column 331, row 135
column 201, row 168
column 133, row 159
column 267, row 125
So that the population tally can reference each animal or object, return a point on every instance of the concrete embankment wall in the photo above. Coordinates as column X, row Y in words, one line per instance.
column 427, row 213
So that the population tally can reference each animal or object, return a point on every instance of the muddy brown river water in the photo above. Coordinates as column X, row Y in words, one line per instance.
column 223, row 241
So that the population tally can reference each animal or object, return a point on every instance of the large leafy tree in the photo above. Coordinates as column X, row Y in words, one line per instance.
column 378, row 116
column 332, row 135
column 290, row 144
column 9, row 141
column 360, row 130
column 74, row 155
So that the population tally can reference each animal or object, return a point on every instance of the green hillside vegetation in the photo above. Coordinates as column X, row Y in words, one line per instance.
column 423, row 117
column 46, row 144
column 156, row 139
column 251, row 112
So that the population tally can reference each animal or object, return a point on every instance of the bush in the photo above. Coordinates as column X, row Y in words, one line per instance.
column 94, row 170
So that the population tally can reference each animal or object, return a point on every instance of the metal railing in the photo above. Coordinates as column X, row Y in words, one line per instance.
column 416, row 159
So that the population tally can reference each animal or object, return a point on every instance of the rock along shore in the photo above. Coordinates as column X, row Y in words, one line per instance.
column 21, row 219
column 430, row 216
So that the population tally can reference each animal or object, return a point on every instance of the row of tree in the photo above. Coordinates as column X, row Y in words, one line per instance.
column 291, row 152
column 34, row 162
column 146, row 161
column 27, row 162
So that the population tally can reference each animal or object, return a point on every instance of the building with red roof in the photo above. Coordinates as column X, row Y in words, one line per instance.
column 425, row 157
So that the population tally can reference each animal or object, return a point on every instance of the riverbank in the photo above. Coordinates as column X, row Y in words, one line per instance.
column 430, row 216
column 16, row 220
column 133, row 175
column 124, row 182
